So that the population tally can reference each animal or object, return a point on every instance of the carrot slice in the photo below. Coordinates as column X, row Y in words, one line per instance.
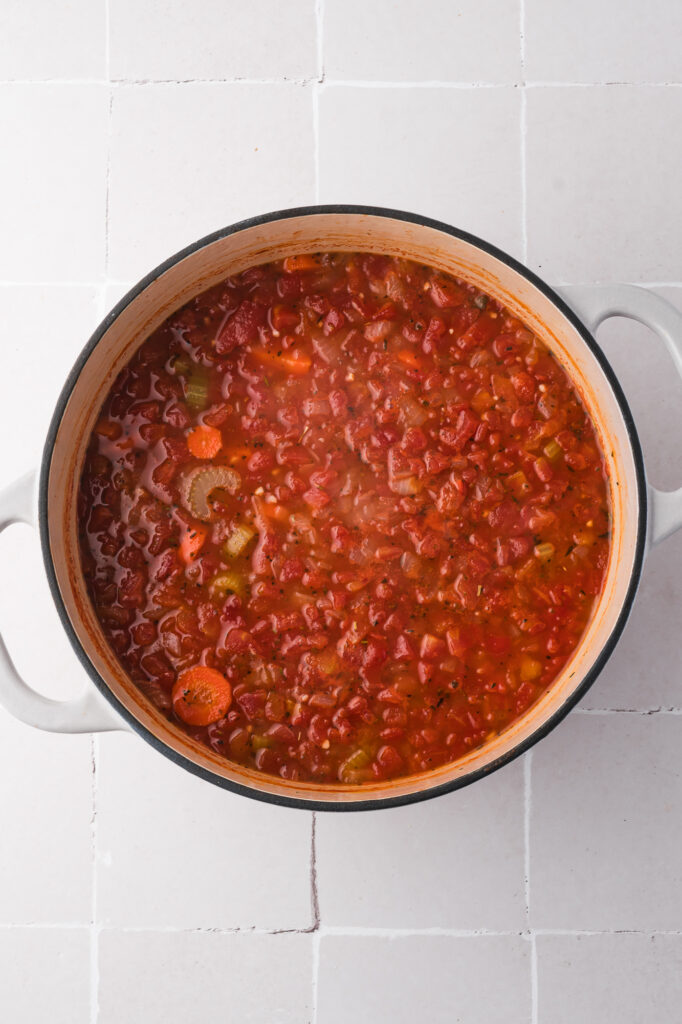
column 204, row 442
column 192, row 542
column 408, row 357
column 201, row 695
column 290, row 360
column 303, row 262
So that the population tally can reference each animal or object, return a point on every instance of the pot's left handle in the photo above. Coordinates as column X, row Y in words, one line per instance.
column 596, row 303
column 86, row 713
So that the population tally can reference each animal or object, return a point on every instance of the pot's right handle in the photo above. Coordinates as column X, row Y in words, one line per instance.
column 596, row 303
column 86, row 713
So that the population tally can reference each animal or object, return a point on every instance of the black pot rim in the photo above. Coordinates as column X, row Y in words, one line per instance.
column 429, row 792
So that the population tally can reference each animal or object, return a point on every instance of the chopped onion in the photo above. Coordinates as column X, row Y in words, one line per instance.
column 198, row 485
column 411, row 565
column 413, row 414
column 328, row 349
column 405, row 485
column 318, row 406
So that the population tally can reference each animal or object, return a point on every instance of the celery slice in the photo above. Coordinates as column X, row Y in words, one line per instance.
column 544, row 551
column 227, row 582
column 552, row 450
column 196, row 388
column 238, row 540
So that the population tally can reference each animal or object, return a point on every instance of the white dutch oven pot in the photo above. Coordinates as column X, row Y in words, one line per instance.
column 641, row 515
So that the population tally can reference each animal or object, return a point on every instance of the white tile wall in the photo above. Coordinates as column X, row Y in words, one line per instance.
column 412, row 867
column 41, row 41
column 187, row 159
column 158, row 40
column 46, row 810
column 132, row 891
column 609, row 41
column 191, row 977
column 439, row 979
column 53, row 160
column 184, row 854
column 435, row 40
column 45, row 975
column 602, row 183
column 623, row 978
column 391, row 147
column 606, row 824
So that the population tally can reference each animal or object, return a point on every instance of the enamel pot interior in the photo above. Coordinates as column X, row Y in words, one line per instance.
column 341, row 229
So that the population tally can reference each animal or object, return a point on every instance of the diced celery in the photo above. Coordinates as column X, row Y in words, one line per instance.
column 544, row 551
column 552, row 450
column 349, row 770
column 238, row 540
column 258, row 742
column 181, row 364
column 228, row 582
column 518, row 483
column 196, row 388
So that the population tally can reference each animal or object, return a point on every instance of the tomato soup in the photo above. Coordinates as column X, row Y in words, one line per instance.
column 343, row 518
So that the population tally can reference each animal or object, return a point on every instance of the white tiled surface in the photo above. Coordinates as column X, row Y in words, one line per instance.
column 192, row 977
column 440, row 979
column 412, row 867
column 130, row 891
column 209, row 149
column 631, row 979
column 180, row 855
column 45, row 975
column 468, row 174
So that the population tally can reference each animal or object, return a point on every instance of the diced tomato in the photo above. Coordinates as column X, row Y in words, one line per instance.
column 240, row 327
column 406, row 535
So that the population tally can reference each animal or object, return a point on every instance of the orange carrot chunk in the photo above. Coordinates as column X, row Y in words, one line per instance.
column 192, row 542
column 204, row 442
column 303, row 262
column 201, row 695
column 408, row 357
column 291, row 360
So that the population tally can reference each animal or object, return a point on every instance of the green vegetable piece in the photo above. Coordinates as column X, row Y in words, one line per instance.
column 196, row 388
column 238, row 540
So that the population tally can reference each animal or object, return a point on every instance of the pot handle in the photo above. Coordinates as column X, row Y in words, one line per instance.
column 86, row 713
column 596, row 303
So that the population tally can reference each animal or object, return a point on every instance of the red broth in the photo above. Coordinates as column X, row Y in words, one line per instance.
column 343, row 518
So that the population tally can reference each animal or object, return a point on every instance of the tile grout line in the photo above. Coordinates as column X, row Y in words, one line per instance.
column 316, row 973
column 319, row 81
column 528, row 761
column 523, row 120
column 110, row 107
column 94, row 930
column 524, row 180
column 533, row 978
column 645, row 712
column 527, row 806
column 350, row 931
column 94, row 926
column 314, row 895
column 340, row 83
column 350, row 83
